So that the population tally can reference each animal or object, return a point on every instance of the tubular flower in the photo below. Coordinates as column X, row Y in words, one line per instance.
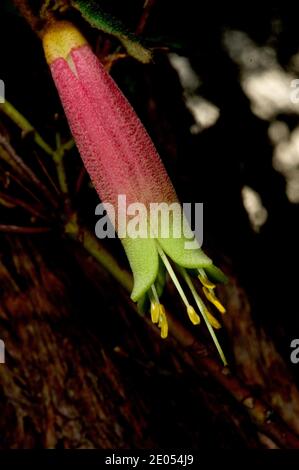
column 122, row 160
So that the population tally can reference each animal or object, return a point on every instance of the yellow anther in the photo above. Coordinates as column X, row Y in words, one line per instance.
column 206, row 282
column 213, row 299
column 219, row 306
column 164, row 329
column 193, row 315
column 212, row 320
column 163, row 324
column 155, row 311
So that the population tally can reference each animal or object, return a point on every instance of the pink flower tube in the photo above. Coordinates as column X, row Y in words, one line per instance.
column 121, row 160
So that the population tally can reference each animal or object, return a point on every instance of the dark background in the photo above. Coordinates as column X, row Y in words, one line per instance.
column 155, row 396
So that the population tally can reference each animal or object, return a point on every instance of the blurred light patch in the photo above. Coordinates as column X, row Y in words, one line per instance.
column 246, row 53
column 269, row 93
column 286, row 157
column 189, row 79
column 278, row 131
column 204, row 112
column 263, row 80
column 253, row 204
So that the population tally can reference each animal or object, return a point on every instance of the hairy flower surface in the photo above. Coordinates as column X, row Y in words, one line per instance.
column 122, row 160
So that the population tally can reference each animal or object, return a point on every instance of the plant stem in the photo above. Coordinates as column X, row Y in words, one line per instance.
column 58, row 159
column 95, row 249
column 57, row 154
column 10, row 111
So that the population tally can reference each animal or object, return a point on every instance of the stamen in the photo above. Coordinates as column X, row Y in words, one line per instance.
column 155, row 312
column 163, row 324
column 205, row 280
column 155, row 293
column 195, row 319
column 155, row 304
column 203, row 310
column 193, row 315
column 173, row 276
column 212, row 320
column 158, row 314
column 213, row 299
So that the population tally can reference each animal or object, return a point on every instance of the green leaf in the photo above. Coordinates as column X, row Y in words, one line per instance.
column 93, row 12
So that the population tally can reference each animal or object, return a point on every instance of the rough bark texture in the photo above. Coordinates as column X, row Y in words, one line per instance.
column 71, row 380
column 83, row 369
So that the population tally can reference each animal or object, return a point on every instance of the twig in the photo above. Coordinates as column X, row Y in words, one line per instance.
column 13, row 201
column 80, row 179
column 148, row 5
column 26, row 11
column 58, row 159
column 57, row 154
column 46, row 173
column 27, row 230
column 20, row 183
column 26, row 170
column 25, row 126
